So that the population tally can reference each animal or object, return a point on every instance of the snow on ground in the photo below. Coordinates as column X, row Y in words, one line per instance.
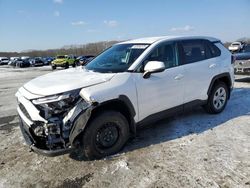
column 193, row 149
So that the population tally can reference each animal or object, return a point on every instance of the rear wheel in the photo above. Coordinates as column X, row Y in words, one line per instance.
column 74, row 65
column 105, row 135
column 217, row 99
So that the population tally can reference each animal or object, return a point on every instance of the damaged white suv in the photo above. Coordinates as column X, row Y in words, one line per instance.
column 96, row 108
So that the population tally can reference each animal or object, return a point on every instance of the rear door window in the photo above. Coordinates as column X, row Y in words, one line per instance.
column 194, row 50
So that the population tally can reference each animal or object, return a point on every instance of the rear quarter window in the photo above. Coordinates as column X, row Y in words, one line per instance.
column 214, row 50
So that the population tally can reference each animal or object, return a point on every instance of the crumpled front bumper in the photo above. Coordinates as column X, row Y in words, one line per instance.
column 32, row 142
column 52, row 144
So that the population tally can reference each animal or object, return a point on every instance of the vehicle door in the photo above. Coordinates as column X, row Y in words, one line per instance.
column 163, row 90
column 199, row 69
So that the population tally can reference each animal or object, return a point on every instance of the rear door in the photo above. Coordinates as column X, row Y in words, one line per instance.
column 199, row 69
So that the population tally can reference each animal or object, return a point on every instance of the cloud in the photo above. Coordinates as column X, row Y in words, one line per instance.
column 111, row 23
column 58, row 1
column 78, row 23
column 56, row 13
column 182, row 29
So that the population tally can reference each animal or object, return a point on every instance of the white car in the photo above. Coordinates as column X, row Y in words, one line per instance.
column 4, row 60
column 235, row 46
column 97, row 107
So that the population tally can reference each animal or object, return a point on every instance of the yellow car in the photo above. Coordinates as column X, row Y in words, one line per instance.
column 63, row 61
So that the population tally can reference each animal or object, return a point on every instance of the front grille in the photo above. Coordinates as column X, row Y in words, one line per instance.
column 23, row 109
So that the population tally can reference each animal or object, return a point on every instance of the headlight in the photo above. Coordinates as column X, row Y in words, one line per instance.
column 57, row 104
column 56, row 98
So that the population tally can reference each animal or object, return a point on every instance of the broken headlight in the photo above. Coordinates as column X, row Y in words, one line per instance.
column 57, row 104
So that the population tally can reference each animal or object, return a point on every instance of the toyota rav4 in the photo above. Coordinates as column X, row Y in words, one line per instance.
column 96, row 108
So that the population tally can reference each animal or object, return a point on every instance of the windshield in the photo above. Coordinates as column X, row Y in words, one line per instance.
column 61, row 57
column 118, row 58
column 235, row 44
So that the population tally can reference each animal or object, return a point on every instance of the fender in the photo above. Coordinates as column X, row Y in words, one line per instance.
column 83, row 118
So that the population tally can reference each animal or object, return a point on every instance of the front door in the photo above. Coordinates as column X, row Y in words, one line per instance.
column 164, row 90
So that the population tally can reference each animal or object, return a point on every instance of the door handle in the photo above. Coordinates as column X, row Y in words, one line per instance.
column 212, row 65
column 178, row 77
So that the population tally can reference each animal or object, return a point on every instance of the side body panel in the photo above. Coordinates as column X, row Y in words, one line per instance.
column 121, row 84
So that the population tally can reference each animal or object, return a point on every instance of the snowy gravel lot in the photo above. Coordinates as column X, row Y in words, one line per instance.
column 194, row 149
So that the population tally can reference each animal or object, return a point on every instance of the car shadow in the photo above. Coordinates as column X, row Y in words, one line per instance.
column 195, row 121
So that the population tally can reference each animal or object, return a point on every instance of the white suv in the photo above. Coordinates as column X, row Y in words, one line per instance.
column 96, row 108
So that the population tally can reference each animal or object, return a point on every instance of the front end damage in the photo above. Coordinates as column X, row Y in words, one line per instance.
column 51, row 124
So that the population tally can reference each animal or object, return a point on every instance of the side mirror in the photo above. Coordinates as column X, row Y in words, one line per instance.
column 153, row 67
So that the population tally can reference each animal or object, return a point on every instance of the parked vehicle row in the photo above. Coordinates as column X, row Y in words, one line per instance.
column 60, row 61
column 70, row 60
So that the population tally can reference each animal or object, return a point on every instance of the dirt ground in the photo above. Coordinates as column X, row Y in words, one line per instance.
column 194, row 149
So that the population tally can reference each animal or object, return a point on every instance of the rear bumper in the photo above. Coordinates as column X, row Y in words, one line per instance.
column 32, row 142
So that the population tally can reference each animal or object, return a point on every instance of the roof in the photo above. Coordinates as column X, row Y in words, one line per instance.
column 151, row 40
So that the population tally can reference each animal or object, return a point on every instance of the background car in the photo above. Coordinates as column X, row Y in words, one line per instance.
column 13, row 61
column 48, row 60
column 83, row 60
column 236, row 46
column 37, row 61
column 242, row 61
column 22, row 63
column 64, row 61
column 4, row 60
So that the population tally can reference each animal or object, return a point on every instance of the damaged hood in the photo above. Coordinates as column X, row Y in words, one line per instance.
column 65, row 80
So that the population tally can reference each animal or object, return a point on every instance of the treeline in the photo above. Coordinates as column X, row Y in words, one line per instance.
column 85, row 49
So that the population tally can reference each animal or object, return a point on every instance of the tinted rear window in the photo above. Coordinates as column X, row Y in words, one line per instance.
column 194, row 50
column 214, row 50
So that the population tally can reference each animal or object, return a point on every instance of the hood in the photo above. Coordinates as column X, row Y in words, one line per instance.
column 242, row 56
column 65, row 80
column 60, row 60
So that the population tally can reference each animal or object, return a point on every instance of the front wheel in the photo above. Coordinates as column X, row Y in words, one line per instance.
column 105, row 135
column 217, row 99
column 53, row 67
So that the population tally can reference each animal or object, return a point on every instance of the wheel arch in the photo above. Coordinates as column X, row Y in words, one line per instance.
column 123, row 105
column 224, row 77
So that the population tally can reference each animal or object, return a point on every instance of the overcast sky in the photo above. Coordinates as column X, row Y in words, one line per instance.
column 44, row 24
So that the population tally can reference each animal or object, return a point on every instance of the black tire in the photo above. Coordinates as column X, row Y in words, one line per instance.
column 96, row 143
column 53, row 67
column 66, row 66
column 212, row 106
column 74, row 65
